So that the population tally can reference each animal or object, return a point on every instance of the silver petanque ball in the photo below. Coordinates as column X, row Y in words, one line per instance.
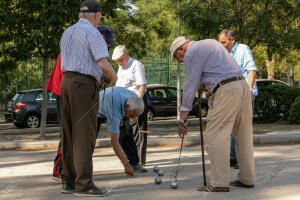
column 174, row 185
column 155, row 168
column 158, row 180
column 160, row 172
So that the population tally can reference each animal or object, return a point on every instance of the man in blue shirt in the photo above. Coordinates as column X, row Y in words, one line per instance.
column 243, row 56
column 118, row 105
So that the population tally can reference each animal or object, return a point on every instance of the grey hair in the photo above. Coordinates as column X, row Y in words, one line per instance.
column 228, row 33
column 135, row 103
column 86, row 15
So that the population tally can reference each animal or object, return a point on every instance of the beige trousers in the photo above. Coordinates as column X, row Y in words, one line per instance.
column 230, row 112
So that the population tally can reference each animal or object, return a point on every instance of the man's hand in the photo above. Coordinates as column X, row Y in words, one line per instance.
column 182, row 129
column 128, row 169
column 107, row 69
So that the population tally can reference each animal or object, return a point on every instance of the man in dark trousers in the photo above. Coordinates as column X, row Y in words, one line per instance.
column 84, row 58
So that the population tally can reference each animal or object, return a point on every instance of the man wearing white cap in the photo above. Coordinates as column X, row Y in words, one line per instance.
column 131, row 75
column 208, row 63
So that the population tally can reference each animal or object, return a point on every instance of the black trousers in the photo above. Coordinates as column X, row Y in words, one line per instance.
column 126, row 140
column 141, row 138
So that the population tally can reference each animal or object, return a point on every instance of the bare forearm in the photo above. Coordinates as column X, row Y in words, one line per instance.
column 142, row 89
column 107, row 70
column 119, row 151
column 251, row 80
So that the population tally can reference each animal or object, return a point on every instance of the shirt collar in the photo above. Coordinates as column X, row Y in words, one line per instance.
column 129, row 63
column 233, row 50
column 83, row 20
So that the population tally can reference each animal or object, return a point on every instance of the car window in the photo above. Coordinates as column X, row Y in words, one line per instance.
column 172, row 92
column 16, row 97
column 158, row 94
column 39, row 97
column 51, row 96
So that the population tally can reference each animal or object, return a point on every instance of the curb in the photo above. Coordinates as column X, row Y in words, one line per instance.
column 191, row 140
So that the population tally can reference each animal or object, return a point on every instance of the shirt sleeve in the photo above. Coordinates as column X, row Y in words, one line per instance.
column 248, row 60
column 193, row 71
column 98, row 45
column 113, row 125
column 140, row 74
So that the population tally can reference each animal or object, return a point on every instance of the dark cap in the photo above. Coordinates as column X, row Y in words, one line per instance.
column 90, row 6
column 108, row 34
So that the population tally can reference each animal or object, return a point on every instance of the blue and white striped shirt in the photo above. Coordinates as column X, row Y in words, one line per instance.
column 81, row 46
column 243, row 56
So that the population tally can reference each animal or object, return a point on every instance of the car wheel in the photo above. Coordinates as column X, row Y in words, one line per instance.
column 150, row 115
column 32, row 121
column 204, row 111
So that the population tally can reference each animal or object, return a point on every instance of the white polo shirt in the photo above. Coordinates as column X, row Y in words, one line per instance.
column 132, row 76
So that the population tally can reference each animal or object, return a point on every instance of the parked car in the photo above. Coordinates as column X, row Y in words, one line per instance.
column 163, row 102
column 265, row 82
column 25, row 109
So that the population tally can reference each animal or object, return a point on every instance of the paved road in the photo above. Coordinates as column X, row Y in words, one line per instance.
column 26, row 175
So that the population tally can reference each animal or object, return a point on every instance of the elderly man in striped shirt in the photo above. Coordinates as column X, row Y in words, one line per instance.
column 84, row 58
column 208, row 63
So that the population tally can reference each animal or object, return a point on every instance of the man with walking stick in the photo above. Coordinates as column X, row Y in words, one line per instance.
column 208, row 63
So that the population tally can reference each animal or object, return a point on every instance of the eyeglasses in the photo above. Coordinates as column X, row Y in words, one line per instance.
column 176, row 51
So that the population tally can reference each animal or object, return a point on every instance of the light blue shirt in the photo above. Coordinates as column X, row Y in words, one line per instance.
column 112, row 106
column 243, row 56
column 81, row 46
column 206, row 62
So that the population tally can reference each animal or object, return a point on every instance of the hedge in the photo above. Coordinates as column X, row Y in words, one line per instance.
column 274, row 102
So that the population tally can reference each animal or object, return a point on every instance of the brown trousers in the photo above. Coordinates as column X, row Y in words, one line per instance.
column 79, row 108
column 230, row 112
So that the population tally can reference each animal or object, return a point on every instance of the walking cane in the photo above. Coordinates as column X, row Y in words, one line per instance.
column 201, row 136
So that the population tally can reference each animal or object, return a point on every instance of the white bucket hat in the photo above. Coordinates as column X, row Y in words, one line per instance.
column 178, row 42
column 119, row 52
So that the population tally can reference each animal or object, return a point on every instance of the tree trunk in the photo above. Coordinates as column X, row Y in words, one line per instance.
column 269, row 65
column 45, row 99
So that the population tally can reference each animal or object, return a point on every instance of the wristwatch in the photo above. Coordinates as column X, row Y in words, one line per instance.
column 251, row 89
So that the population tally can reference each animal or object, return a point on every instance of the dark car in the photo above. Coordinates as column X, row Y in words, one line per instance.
column 163, row 102
column 25, row 109
column 265, row 82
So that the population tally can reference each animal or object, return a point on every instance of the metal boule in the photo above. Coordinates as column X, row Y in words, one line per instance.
column 160, row 172
column 158, row 180
column 174, row 184
column 155, row 168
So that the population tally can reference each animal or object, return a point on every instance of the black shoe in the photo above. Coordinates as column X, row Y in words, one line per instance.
column 210, row 188
column 232, row 163
column 237, row 183
column 67, row 188
column 94, row 192
column 139, row 169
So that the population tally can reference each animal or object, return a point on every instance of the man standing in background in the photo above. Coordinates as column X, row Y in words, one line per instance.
column 243, row 56
column 131, row 75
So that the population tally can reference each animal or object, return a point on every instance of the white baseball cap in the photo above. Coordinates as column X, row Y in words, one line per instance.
column 178, row 42
column 119, row 52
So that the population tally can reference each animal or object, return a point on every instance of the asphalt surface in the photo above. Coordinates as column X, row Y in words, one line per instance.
column 26, row 175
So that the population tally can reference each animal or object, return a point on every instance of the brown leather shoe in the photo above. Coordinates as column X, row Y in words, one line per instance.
column 94, row 192
column 210, row 188
column 237, row 183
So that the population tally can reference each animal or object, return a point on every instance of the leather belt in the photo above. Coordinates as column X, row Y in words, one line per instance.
column 85, row 75
column 226, row 81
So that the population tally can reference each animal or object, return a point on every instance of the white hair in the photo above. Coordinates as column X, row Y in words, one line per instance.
column 86, row 15
column 135, row 103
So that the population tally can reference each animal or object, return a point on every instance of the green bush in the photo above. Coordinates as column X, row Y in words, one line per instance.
column 274, row 102
column 294, row 114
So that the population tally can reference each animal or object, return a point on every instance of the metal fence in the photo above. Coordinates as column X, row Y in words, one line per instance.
column 161, row 71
